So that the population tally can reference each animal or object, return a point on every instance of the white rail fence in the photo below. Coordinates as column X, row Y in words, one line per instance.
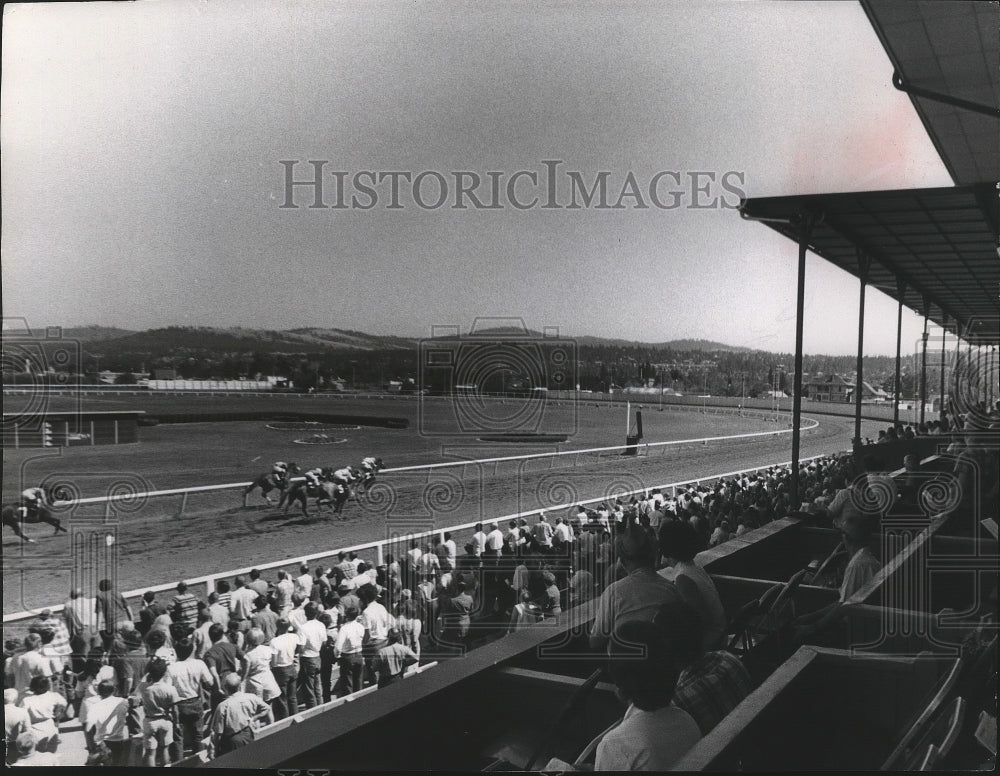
column 379, row 547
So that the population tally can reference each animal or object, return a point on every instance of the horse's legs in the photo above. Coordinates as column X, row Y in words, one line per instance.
column 17, row 530
column 246, row 494
column 55, row 522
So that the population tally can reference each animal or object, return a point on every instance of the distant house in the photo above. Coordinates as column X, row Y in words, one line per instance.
column 839, row 389
column 828, row 388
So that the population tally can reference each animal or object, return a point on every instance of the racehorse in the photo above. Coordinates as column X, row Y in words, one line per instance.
column 368, row 476
column 267, row 482
column 14, row 517
column 326, row 493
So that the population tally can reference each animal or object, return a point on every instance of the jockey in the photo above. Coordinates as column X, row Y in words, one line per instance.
column 313, row 478
column 31, row 500
column 369, row 464
column 343, row 477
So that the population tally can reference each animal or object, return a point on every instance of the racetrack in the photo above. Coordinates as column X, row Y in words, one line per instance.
column 215, row 533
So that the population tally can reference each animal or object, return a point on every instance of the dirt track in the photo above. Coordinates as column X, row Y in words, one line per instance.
column 215, row 534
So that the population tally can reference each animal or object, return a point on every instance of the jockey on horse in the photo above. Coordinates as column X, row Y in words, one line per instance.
column 314, row 477
column 276, row 479
column 370, row 466
column 32, row 500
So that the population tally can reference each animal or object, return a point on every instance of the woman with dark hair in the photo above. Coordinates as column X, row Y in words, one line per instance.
column 654, row 734
column 679, row 544
column 45, row 709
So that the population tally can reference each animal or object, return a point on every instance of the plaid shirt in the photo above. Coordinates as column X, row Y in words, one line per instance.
column 60, row 639
column 711, row 687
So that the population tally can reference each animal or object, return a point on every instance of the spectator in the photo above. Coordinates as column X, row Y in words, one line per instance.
column 494, row 541
column 479, row 541
column 456, row 610
column 224, row 596
column 550, row 602
column 283, row 592
column 264, row 619
column 30, row 663
column 236, row 718
column 443, row 554
column 297, row 616
column 414, row 553
column 28, row 754
column 184, row 607
column 241, row 604
column 709, row 684
column 159, row 705
column 284, row 668
column 312, row 636
column 638, row 595
column 721, row 534
column 15, row 722
column 321, row 587
column 377, row 622
column 222, row 658
column 428, row 565
column 45, row 710
column 542, row 533
column 111, row 607
column 219, row 612
column 80, row 615
column 200, row 637
column 157, row 647
column 190, row 678
column 409, row 617
column 654, row 734
column 257, row 584
column 128, row 657
column 678, row 545
column 346, row 568
column 451, row 547
column 581, row 585
column 349, row 646
column 258, row 677
column 304, row 582
column 525, row 613
column 392, row 660
column 107, row 726
column 328, row 653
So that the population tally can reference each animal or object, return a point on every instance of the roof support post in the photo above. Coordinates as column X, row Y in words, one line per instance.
column 805, row 230
column 900, row 291
column 923, row 361
column 944, row 336
column 864, row 265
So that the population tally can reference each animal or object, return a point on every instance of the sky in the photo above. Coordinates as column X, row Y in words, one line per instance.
column 143, row 184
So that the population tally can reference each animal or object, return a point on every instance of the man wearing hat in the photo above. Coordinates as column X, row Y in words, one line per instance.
column 639, row 594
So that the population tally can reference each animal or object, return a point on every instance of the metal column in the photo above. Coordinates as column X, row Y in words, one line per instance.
column 944, row 336
column 864, row 264
column 805, row 228
column 923, row 363
column 900, row 289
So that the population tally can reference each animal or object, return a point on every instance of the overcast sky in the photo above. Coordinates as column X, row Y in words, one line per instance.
column 142, row 176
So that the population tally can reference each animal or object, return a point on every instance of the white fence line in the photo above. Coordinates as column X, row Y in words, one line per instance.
column 645, row 446
column 379, row 546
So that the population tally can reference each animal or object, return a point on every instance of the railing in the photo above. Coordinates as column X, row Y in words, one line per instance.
column 379, row 546
column 808, row 424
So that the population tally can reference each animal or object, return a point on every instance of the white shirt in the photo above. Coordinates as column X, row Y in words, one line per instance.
column 284, row 647
column 107, row 716
column 479, row 542
column 350, row 639
column 647, row 740
column 188, row 677
column 304, row 584
column 312, row 636
column 377, row 620
column 452, row 550
column 414, row 554
column 241, row 603
column 494, row 540
column 563, row 532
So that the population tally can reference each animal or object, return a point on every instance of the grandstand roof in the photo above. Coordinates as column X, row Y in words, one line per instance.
column 941, row 242
column 950, row 49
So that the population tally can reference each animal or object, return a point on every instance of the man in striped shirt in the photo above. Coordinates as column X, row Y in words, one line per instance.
column 184, row 607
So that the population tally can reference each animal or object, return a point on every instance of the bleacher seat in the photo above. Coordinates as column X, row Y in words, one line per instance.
column 916, row 733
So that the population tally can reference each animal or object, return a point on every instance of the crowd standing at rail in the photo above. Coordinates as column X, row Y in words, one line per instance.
column 178, row 675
